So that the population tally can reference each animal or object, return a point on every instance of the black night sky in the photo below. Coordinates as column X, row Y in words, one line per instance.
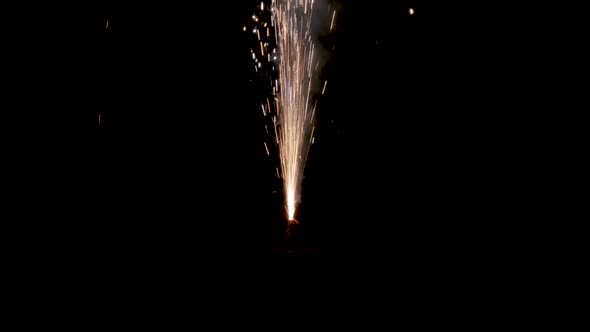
column 178, row 159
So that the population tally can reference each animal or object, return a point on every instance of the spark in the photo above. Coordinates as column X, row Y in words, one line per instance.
column 324, row 88
column 332, row 23
column 261, row 5
column 411, row 11
column 107, row 24
column 266, row 148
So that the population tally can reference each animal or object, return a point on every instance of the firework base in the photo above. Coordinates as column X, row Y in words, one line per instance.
column 293, row 242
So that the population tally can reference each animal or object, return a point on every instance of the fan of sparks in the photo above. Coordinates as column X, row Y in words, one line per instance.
column 286, row 61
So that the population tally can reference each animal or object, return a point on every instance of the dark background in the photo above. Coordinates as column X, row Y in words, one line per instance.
column 180, row 143
column 418, row 147
column 182, row 132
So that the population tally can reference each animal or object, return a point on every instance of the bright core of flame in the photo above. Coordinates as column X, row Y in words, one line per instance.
column 291, row 203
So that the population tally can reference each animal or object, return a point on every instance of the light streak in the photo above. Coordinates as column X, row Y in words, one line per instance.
column 332, row 23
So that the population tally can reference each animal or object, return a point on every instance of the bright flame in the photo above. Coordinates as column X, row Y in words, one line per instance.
column 291, row 204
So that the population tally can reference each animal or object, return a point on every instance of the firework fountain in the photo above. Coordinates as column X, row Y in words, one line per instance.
column 289, row 54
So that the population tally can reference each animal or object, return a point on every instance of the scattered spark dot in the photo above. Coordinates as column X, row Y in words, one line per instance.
column 411, row 11
column 244, row 28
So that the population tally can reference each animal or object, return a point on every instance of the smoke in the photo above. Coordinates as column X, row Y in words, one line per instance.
column 324, row 20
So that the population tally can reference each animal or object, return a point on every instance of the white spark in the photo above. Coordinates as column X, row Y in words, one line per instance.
column 107, row 24
column 411, row 11
column 332, row 23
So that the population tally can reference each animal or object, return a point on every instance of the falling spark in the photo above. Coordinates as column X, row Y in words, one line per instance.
column 332, row 23
column 99, row 118
column 266, row 148
column 324, row 88
column 261, row 5
column 107, row 25
column 411, row 11
column 244, row 28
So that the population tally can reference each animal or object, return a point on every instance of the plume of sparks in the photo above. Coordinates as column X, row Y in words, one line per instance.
column 297, row 73
column 289, row 61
